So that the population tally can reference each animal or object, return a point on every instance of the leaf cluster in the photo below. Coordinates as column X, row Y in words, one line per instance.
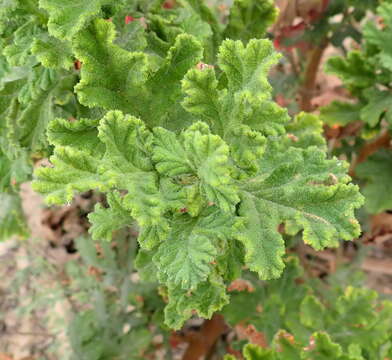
column 39, row 62
column 178, row 128
column 312, row 320
column 202, row 158
column 367, row 74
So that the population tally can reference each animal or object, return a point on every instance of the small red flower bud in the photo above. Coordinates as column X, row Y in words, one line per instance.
column 77, row 65
column 129, row 19
column 202, row 66
column 168, row 4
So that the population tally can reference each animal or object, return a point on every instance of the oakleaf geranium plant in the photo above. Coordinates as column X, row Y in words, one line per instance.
column 201, row 158
column 171, row 116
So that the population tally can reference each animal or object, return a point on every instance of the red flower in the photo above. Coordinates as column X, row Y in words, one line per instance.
column 129, row 19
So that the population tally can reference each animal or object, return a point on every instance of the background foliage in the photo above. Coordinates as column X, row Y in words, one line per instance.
column 208, row 178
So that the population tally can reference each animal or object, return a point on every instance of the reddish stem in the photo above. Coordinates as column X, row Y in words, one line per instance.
column 384, row 141
column 309, row 84
column 202, row 343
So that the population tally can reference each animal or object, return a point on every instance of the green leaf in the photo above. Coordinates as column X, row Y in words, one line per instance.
column 247, row 67
column 67, row 18
column 38, row 99
column 105, row 221
column 201, row 154
column 250, row 19
column 186, row 256
column 12, row 220
column 255, row 352
column 128, row 146
column 340, row 113
column 52, row 53
column 280, row 300
column 128, row 166
column 247, row 146
column 247, row 99
column 15, row 168
column 18, row 53
column 354, row 70
column 379, row 102
column 357, row 306
column 264, row 246
column 311, row 312
column 165, row 85
column 73, row 171
column 105, row 66
column 379, row 37
column 147, row 206
column 322, row 348
column 206, row 299
column 36, row 116
column 298, row 185
column 133, row 37
column 305, row 130
column 80, row 134
column 377, row 172
column 201, row 88
column 144, row 93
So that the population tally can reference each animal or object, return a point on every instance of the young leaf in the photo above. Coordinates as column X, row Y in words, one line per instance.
column 128, row 166
column 200, row 154
column 322, row 348
column 191, row 247
column 105, row 221
column 116, row 79
column 81, row 134
column 305, row 130
column 74, row 171
column 110, row 76
column 254, row 352
column 66, row 18
column 247, row 99
column 207, row 298
column 52, row 52
column 250, row 19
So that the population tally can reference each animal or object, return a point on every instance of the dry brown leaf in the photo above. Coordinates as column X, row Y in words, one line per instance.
column 250, row 333
column 241, row 285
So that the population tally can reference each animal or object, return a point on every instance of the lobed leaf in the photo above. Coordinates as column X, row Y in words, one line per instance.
column 73, row 171
column 67, row 17
column 250, row 19
column 144, row 92
column 106, row 221
column 187, row 255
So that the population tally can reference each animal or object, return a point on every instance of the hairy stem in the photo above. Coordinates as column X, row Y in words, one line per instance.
column 309, row 83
